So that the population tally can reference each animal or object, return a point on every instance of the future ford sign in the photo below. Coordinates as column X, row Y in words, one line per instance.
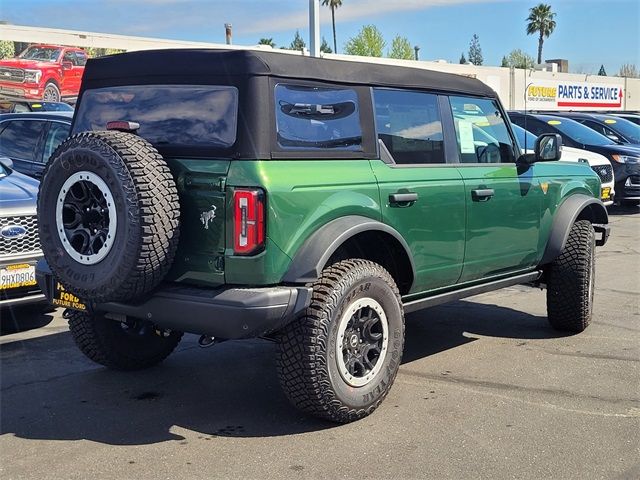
column 550, row 95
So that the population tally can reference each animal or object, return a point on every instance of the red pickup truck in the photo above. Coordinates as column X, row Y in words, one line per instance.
column 43, row 72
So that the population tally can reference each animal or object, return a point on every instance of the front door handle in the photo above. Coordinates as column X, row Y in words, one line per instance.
column 482, row 194
column 402, row 199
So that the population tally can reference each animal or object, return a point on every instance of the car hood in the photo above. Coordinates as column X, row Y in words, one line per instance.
column 18, row 195
column 574, row 154
column 23, row 63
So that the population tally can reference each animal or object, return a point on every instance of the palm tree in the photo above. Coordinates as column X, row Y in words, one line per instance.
column 541, row 20
column 333, row 4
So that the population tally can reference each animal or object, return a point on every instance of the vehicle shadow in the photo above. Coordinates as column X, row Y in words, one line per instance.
column 25, row 317
column 51, row 392
column 625, row 209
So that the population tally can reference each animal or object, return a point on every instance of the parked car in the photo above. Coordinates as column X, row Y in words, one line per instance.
column 19, row 243
column 625, row 159
column 616, row 128
column 43, row 72
column 632, row 117
column 19, row 106
column 597, row 162
column 251, row 193
column 29, row 139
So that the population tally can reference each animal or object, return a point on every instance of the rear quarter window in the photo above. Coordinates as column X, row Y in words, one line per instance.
column 317, row 118
column 169, row 115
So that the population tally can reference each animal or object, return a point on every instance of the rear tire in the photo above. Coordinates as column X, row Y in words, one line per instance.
column 339, row 360
column 571, row 279
column 120, row 346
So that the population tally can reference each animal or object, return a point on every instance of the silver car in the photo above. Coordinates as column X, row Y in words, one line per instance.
column 19, row 242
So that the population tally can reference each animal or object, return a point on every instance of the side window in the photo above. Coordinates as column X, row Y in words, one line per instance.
column 481, row 131
column 81, row 59
column 58, row 132
column 538, row 128
column 601, row 129
column 409, row 124
column 20, row 138
column 317, row 118
column 70, row 57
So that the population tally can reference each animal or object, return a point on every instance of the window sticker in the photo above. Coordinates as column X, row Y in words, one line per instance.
column 609, row 120
column 554, row 122
column 466, row 137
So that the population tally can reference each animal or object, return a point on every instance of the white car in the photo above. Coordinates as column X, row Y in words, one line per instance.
column 597, row 162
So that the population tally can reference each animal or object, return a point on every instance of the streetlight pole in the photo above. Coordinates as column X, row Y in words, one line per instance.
column 314, row 27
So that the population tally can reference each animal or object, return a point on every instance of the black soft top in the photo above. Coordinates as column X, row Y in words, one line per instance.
column 204, row 66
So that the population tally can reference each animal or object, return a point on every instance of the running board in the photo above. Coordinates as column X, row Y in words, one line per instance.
column 441, row 298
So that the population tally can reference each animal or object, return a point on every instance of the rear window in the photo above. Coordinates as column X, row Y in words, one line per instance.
column 169, row 115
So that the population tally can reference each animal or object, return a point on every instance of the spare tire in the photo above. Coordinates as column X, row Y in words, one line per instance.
column 109, row 216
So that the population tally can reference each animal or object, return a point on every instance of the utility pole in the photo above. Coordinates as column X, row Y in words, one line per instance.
column 314, row 27
column 416, row 49
column 227, row 33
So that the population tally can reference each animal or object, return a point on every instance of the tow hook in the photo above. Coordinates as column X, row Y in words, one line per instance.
column 208, row 341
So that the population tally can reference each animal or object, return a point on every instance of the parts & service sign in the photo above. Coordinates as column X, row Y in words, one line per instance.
column 544, row 95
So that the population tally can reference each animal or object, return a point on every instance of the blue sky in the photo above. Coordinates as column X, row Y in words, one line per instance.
column 589, row 32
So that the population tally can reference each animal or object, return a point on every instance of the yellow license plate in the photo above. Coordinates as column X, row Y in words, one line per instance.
column 64, row 298
column 605, row 194
column 16, row 276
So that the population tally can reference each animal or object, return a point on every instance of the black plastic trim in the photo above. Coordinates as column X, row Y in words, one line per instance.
column 564, row 219
column 316, row 251
column 441, row 298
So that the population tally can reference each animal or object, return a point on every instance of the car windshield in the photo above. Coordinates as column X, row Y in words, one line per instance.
column 578, row 132
column 624, row 127
column 47, row 54
column 168, row 115
column 526, row 139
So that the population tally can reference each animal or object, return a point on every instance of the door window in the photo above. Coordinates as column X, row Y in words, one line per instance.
column 58, row 132
column 317, row 118
column 409, row 125
column 19, row 138
column 481, row 131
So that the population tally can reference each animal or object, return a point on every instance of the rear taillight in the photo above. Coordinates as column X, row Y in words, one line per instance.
column 248, row 221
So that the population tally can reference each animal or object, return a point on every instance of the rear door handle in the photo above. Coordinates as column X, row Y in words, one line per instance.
column 402, row 199
column 482, row 194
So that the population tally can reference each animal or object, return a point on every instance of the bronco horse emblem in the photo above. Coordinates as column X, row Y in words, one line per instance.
column 206, row 217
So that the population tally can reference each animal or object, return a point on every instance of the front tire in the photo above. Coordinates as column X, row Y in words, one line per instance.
column 339, row 360
column 571, row 279
column 51, row 93
column 119, row 345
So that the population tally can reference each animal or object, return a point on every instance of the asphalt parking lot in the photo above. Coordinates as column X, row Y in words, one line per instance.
column 486, row 390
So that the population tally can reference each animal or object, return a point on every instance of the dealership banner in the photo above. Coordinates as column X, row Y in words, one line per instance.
column 555, row 95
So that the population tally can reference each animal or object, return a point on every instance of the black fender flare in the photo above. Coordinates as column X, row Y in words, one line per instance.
column 566, row 216
column 316, row 251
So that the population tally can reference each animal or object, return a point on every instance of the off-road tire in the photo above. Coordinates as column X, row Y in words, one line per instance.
column 147, row 210
column 306, row 353
column 51, row 92
column 570, row 281
column 108, row 343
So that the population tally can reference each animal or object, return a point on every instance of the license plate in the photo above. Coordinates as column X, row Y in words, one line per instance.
column 17, row 276
column 64, row 298
column 605, row 194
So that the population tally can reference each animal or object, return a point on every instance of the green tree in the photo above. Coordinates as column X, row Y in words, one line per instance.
column 475, row 51
column 518, row 59
column 267, row 41
column 333, row 5
column 463, row 59
column 401, row 49
column 298, row 43
column 6, row 49
column 505, row 62
column 324, row 47
column 602, row 72
column 628, row 70
column 368, row 43
column 541, row 21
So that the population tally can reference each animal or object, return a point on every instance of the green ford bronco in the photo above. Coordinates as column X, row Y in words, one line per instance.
column 240, row 194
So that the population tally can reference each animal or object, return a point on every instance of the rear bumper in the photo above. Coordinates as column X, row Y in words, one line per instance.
column 225, row 313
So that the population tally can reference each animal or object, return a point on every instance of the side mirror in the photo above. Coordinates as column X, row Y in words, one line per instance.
column 67, row 65
column 548, row 147
column 6, row 162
